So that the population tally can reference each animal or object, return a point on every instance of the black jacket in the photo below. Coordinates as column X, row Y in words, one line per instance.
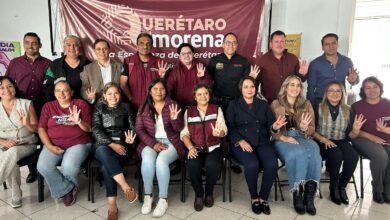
column 252, row 125
column 110, row 123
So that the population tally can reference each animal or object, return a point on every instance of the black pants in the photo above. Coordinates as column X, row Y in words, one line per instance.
column 264, row 158
column 212, row 162
column 342, row 155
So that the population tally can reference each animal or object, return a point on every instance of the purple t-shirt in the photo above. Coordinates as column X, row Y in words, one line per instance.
column 373, row 112
column 64, row 133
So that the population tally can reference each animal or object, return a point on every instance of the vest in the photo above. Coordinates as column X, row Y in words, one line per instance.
column 200, row 129
column 330, row 129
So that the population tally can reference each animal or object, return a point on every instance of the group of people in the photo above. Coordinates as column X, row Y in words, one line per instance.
column 106, row 109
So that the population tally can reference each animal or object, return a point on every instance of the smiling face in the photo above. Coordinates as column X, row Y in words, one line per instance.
column 248, row 90
column 72, row 47
column 158, row 92
column 31, row 46
column 334, row 94
column 112, row 96
column 293, row 88
column 144, row 46
column 202, row 96
column 278, row 45
column 230, row 45
column 330, row 46
column 63, row 93
column 186, row 56
column 102, row 51
column 372, row 90
column 7, row 90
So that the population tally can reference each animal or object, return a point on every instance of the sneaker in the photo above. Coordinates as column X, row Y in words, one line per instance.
column 131, row 195
column 161, row 208
column 16, row 204
column 147, row 206
column 69, row 199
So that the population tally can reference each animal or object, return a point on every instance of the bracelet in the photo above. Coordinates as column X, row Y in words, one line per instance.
column 78, row 122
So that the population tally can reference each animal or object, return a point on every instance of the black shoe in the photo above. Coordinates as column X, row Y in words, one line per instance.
column 209, row 201
column 198, row 204
column 176, row 169
column 386, row 198
column 298, row 201
column 31, row 177
column 310, row 191
column 256, row 208
column 378, row 197
column 236, row 169
column 264, row 207
column 335, row 195
column 343, row 196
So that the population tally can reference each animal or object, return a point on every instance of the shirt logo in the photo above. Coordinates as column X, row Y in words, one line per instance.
column 219, row 66
column 237, row 65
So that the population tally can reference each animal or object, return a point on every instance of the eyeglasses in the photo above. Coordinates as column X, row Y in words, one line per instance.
column 334, row 91
column 186, row 54
column 101, row 49
column 231, row 43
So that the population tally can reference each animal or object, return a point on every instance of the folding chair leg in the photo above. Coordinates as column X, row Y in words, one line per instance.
column 230, row 181
column 354, row 184
column 361, row 178
column 92, row 188
column 223, row 180
column 5, row 185
column 183, row 182
column 40, row 188
column 89, row 181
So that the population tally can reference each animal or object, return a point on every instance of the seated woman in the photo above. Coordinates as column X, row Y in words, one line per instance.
column 17, row 139
column 158, row 126
column 64, row 129
column 332, row 133
column 374, row 137
column 113, row 130
column 250, row 121
column 296, row 149
column 204, row 125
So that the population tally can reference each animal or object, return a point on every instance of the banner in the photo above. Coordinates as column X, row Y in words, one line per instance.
column 293, row 44
column 171, row 22
column 8, row 51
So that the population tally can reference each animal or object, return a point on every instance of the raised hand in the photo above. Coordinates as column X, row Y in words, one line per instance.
column 305, row 121
column 217, row 132
column 245, row 146
column 381, row 125
column 23, row 117
column 303, row 67
column 130, row 136
column 255, row 70
column 174, row 111
column 358, row 122
column 160, row 147
column 162, row 68
column 352, row 75
column 201, row 69
column 91, row 93
column 280, row 122
column 74, row 114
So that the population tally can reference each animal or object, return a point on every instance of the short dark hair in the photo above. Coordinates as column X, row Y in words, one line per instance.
column 277, row 33
column 32, row 34
column 185, row 45
column 250, row 78
column 18, row 93
column 329, row 35
column 145, row 35
column 230, row 33
column 199, row 86
column 101, row 40
column 372, row 79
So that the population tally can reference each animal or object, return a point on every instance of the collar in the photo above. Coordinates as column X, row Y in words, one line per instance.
column 29, row 59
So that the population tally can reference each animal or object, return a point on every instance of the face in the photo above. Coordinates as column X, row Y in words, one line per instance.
column 101, row 51
column 158, row 92
column 72, row 47
column 31, row 46
column 112, row 96
column 230, row 45
column 293, row 88
column 7, row 90
column 144, row 46
column 248, row 89
column 330, row 46
column 278, row 44
column 334, row 94
column 202, row 96
column 186, row 56
column 63, row 93
column 372, row 90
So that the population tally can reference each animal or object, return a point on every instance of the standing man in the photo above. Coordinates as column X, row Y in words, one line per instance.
column 28, row 71
column 330, row 66
column 276, row 65
column 99, row 72
column 140, row 69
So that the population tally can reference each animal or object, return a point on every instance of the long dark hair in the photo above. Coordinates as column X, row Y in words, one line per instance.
column 149, row 99
column 18, row 93
column 372, row 79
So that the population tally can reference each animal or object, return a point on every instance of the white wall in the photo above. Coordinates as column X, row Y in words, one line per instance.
column 314, row 18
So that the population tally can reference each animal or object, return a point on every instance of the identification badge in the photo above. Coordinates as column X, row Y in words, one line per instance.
column 219, row 66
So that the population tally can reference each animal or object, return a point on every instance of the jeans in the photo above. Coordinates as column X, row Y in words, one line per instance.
column 157, row 163
column 111, row 165
column 61, row 181
column 303, row 160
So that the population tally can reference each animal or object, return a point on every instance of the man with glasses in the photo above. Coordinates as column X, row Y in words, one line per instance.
column 100, row 72
column 330, row 66
column 185, row 75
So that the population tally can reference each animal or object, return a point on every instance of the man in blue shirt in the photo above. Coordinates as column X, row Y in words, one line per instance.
column 330, row 66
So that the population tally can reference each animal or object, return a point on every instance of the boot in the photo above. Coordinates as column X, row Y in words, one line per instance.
column 310, row 191
column 343, row 195
column 298, row 200
column 335, row 195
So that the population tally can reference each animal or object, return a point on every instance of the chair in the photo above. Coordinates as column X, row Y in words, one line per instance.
column 361, row 176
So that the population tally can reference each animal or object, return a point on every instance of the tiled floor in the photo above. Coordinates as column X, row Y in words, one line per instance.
column 238, row 209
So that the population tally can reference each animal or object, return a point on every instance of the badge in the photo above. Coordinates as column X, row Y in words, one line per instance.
column 219, row 66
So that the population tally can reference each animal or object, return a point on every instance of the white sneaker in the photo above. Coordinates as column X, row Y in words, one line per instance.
column 161, row 208
column 147, row 206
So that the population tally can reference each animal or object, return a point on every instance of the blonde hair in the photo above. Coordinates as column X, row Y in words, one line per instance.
column 108, row 86
column 324, row 105
column 300, row 102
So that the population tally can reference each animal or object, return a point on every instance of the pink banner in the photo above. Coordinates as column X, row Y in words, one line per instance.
column 201, row 23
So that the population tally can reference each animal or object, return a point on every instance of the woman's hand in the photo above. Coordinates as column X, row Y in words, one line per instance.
column 245, row 146
column 358, row 122
column 376, row 139
column 91, row 93
column 174, row 111
column 192, row 153
column 255, row 70
column 288, row 139
column 381, row 125
column 160, row 147
column 130, row 136
column 7, row 143
column 305, row 121
column 162, row 68
column 328, row 143
column 74, row 114
column 55, row 149
column 217, row 132
column 23, row 118
column 118, row 148
column 201, row 70
column 280, row 122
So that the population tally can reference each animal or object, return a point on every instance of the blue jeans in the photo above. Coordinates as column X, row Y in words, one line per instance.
column 157, row 163
column 62, row 181
column 303, row 161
